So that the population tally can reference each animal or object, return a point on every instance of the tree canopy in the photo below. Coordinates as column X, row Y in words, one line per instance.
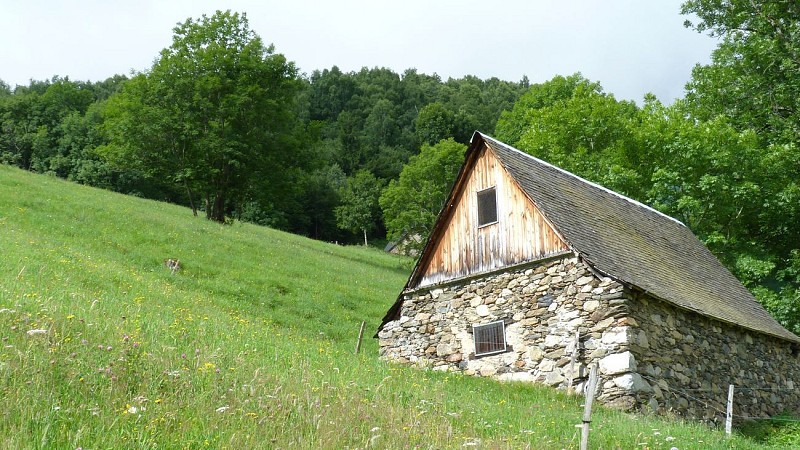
column 411, row 203
column 212, row 115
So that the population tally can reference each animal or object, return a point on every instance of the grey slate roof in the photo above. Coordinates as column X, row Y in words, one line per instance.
column 635, row 244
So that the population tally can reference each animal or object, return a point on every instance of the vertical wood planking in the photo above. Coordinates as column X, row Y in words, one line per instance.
column 521, row 233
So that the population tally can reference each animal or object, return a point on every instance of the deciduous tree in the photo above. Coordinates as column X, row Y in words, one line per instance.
column 214, row 113
column 359, row 209
column 411, row 203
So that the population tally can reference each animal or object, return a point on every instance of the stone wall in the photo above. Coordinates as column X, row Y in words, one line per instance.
column 543, row 305
column 651, row 355
column 694, row 359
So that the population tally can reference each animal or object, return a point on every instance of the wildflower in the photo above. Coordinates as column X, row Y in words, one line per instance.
column 669, row 438
column 132, row 409
column 71, row 316
column 158, row 400
column 222, row 409
column 183, row 355
column 36, row 331
column 84, row 342
column 108, row 348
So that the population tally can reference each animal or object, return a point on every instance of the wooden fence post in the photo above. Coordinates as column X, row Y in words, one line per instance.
column 360, row 336
column 729, row 412
column 587, row 408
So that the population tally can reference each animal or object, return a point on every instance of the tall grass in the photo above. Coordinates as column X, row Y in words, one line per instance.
column 249, row 345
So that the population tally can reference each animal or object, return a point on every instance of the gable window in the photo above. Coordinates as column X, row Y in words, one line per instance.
column 489, row 338
column 487, row 206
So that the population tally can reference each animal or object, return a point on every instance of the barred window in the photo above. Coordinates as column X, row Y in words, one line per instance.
column 489, row 338
column 487, row 206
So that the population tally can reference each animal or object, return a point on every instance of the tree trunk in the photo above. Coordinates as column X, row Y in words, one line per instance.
column 365, row 237
column 191, row 199
column 218, row 209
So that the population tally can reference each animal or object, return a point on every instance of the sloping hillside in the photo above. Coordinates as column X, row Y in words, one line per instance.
column 248, row 345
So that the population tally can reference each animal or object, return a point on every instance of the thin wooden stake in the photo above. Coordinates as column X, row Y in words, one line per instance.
column 571, row 378
column 587, row 408
column 729, row 412
column 360, row 336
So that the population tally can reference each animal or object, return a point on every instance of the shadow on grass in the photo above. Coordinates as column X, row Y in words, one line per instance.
column 782, row 431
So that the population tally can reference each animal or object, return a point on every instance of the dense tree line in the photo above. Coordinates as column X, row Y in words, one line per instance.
column 224, row 124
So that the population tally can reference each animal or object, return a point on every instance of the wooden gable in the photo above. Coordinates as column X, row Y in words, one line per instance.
column 521, row 233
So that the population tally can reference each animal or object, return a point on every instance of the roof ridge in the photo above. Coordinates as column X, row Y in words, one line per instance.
column 591, row 183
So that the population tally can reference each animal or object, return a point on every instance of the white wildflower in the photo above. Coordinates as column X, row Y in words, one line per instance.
column 222, row 409
column 36, row 331
column 133, row 410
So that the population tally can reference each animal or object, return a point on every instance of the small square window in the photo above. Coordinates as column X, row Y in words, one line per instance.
column 487, row 206
column 489, row 338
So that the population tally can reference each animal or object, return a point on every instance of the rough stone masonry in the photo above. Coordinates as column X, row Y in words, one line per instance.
column 652, row 356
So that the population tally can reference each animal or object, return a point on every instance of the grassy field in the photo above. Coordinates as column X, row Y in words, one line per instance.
column 249, row 345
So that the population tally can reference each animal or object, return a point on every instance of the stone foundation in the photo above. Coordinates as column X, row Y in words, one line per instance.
column 694, row 359
column 543, row 307
column 647, row 351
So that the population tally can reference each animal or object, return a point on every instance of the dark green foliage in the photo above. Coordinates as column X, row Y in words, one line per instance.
column 213, row 116
column 434, row 123
column 54, row 127
column 571, row 123
column 375, row 119
column 754, row 77
column 411, row 203
column 753, row 84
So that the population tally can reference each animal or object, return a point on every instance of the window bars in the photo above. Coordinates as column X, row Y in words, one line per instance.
column 489, row 338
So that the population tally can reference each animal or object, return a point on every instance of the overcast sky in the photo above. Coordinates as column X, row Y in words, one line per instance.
column 630, row 46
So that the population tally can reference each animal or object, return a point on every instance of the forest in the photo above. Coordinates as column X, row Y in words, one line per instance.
column 229, row 127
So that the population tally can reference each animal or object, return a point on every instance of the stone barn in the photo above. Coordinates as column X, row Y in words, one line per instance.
column 532, row 273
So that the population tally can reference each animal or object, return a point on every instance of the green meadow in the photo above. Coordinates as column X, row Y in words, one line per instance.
column 249, row 345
